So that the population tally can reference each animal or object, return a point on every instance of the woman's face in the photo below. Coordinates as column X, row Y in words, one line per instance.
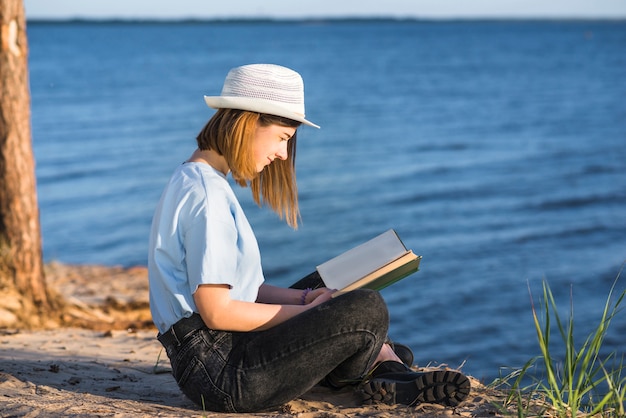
column 269, row 143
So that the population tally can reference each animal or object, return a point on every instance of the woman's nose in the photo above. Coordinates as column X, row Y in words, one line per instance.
column 282, row 151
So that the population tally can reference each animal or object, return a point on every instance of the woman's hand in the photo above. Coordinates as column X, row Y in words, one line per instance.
column 317, row 296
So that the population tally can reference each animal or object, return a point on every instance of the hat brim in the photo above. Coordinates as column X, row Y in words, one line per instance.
column 255, row 105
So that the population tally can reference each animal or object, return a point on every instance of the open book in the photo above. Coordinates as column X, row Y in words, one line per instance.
column 375, row 264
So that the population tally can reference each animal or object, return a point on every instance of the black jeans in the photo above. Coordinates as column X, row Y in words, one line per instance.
column 254, row 371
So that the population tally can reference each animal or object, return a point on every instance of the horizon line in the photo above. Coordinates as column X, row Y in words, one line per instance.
column 320, row 19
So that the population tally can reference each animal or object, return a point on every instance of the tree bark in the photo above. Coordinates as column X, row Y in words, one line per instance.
column 22, row 281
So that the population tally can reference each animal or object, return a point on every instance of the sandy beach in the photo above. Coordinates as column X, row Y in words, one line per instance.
column 111, row 365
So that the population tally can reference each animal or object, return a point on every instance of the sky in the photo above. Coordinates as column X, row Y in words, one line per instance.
column 436, row 9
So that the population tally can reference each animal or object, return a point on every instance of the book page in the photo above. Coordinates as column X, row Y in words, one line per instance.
column 360, row 261
column 386, row 275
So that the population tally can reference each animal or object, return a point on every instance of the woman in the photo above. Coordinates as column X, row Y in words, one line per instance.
column 236, row 343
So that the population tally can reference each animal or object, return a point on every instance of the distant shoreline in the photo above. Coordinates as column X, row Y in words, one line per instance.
column 324, row 20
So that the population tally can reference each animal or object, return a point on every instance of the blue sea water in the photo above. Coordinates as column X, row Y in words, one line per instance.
column 496, row 149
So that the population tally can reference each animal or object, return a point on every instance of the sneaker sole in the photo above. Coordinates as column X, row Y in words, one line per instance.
column 441, row 386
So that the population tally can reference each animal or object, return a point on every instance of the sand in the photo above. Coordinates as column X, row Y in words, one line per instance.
column 113, row 366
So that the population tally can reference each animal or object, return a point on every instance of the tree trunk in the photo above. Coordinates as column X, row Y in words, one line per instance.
column 25, row 299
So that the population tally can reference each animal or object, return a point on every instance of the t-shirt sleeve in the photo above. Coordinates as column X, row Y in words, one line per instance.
column 210, row 243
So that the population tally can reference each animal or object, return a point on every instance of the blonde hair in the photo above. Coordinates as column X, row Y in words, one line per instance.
column 230, row 132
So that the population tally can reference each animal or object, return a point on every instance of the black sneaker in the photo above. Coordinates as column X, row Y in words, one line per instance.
column 403, row 352
column 443, row 387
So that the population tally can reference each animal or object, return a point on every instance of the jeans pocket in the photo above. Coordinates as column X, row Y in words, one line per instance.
column 197, row 384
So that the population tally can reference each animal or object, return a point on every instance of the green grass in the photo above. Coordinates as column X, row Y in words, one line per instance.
column 581, row 384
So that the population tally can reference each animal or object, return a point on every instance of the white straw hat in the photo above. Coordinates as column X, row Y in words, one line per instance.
column 263, row 88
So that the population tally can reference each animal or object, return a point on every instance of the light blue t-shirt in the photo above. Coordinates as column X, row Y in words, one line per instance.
column 199, row 235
